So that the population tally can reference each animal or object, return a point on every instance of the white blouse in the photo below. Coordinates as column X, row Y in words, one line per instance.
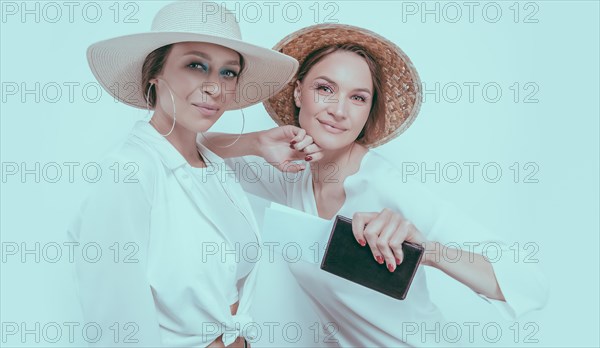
column 361, row 316
column 178, row 231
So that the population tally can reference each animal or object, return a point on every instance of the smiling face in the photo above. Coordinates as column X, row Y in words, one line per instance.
column 335, row 99
column 202, row 79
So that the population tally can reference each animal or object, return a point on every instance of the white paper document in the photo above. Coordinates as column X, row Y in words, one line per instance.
column 295, row 234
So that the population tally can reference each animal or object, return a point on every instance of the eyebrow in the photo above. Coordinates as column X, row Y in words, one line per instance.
column 333, row 82
column 207, row 57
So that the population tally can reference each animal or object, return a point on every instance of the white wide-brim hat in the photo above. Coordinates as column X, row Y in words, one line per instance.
column 117, row 62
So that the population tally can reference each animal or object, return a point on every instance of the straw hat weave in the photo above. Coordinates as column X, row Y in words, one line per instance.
column 401, row 85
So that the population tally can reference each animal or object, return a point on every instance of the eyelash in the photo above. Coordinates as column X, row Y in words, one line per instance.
column 228, row 74
column 233, row 74
column 324, row 87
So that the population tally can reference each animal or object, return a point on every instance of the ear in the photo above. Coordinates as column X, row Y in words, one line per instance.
column 297, row 94
column 153, row 81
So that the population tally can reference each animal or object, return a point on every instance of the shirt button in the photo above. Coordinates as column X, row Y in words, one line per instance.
column 185, row 176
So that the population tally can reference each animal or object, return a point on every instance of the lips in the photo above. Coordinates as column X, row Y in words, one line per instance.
column 332, row 127
column 206, row 109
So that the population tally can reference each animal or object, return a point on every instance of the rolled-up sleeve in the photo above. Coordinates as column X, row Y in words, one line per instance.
column 524, row 286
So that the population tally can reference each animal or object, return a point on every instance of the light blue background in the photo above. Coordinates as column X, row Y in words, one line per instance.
column 560, row 133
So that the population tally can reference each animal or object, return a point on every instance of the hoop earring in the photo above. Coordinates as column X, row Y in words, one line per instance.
column 236, row 139
column 174, row 109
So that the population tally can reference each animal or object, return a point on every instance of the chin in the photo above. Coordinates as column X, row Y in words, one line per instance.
column 328, row 141
column 198, row 126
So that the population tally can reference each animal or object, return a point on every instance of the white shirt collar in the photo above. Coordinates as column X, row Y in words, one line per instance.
column 166, row 151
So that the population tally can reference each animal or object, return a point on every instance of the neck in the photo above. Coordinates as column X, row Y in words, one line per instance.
column 182, row 139
column 336, row 165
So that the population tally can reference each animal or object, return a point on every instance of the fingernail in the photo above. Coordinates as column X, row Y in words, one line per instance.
column 397, row 261
column 379, row 259
column 391, row 267
column 293, row 142
column 362, row 242
column 292, row 147
column 308, row 158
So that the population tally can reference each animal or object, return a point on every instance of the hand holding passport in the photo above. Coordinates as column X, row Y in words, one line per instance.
column 345, row 258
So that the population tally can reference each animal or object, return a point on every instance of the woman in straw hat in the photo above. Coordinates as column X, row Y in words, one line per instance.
column 172, row 284
column 354, row 91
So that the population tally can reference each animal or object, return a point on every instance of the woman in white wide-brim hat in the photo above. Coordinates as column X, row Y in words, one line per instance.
column 354, row 91
column 179, row 279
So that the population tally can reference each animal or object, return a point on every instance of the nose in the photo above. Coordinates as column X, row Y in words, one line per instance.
column 338, row 106
column 211, row 86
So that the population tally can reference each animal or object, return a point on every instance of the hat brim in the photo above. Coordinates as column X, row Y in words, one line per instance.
column 117, row 65
column 401, row 85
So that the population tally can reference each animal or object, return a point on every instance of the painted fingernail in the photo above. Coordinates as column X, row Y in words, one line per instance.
column 391, row 267
column 397, row 261
column 362, row 242
column 292, row 147
column 308, row 158
column 379, row 259
column 293, row 142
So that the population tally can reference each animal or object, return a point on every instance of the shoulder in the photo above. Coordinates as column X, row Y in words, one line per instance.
column 383, row 177
column 133, row 166
column 377, row 169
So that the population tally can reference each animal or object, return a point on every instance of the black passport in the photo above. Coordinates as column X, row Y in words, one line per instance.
column 345, row 258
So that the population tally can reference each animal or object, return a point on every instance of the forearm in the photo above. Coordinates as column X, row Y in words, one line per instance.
column 471, row 269
column 247, row 144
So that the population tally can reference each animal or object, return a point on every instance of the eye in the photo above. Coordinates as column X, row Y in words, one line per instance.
column 324, row 88
column 198, row 66
column 229, row 74
column 359, row 98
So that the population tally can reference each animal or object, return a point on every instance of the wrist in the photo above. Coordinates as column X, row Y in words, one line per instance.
column 432, row 254
column 256, row 143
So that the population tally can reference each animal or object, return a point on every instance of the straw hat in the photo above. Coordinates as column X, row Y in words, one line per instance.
column 117, row 63
column 400, row 82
